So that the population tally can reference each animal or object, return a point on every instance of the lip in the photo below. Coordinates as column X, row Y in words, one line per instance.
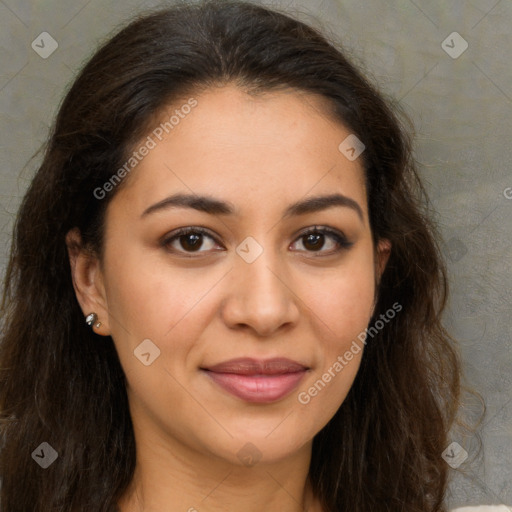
column 258, row 381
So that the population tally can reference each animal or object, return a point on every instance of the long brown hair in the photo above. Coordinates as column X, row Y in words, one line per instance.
column 64, row 385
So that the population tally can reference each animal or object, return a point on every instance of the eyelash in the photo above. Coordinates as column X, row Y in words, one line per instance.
column 339, row 238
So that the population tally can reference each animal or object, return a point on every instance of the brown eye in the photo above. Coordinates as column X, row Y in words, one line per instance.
column 189, row 240
column 316, row 239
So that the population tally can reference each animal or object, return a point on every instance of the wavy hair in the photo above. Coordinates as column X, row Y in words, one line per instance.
column 61, row 383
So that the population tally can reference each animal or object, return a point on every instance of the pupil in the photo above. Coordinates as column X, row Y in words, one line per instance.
column 195, row 244
column 314, row 239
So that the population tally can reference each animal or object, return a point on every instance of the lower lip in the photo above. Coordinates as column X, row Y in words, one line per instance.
column 258, row 388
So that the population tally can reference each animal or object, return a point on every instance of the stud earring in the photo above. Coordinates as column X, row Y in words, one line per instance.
column 92, row 318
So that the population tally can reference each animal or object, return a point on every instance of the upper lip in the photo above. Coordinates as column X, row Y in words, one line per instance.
column 249, row 366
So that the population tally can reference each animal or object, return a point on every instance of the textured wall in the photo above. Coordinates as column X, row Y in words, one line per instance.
column 460, row 100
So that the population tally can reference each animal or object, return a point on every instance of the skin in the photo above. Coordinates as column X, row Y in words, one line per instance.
column 261, row 153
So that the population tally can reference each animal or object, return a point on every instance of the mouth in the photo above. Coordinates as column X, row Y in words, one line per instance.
column 257, row 381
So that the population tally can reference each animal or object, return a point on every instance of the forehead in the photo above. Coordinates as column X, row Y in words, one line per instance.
column 275, row 146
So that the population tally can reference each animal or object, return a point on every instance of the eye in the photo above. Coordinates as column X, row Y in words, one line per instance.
column 189, row 240
column 314, row 240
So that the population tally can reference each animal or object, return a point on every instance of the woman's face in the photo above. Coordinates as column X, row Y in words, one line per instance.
column 250, row 286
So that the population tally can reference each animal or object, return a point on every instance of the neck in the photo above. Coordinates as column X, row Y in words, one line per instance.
column 172, row 477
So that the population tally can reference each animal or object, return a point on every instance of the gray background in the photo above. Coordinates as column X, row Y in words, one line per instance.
column 461, row 108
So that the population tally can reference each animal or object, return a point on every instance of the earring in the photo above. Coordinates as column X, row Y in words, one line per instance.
column 92, row 318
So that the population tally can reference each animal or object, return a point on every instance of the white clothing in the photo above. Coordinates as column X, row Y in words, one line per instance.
column 484, row 508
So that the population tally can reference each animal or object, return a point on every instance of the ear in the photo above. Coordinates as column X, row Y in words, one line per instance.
column 88, row 281
column 382, row 253
column 382, row 256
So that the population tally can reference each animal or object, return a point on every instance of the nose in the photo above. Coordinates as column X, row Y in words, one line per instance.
column 260, row 296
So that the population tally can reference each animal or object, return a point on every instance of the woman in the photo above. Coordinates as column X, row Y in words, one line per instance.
column 224, row 291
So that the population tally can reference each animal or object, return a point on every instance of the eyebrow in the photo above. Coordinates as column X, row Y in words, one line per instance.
column 214, row 206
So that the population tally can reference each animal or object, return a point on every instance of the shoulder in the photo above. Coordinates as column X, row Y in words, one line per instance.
column 484, row 508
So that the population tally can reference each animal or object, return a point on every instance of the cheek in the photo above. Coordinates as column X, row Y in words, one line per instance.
column 342, row 301
column 149, row 300
column 340, row 311
column 343, row 305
